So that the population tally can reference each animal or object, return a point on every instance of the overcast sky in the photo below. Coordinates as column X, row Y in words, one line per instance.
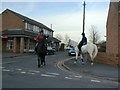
column 66, row 17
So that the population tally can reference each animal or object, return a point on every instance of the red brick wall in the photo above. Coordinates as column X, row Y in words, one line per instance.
column 4, row 45
column 119, row 40
column 105, row 58
column 11, row 21
column 0, row 22
column 112, row 29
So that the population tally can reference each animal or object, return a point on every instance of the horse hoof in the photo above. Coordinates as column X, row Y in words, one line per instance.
column 75, row 62
column 91, row 64
column 82, row 63
column 41, row 65
column 44, row 64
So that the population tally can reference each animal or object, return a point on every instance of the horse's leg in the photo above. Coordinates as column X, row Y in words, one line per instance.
column 85, row 57
column 38, row 61
column 82, row 57
column 91, row 56
column 41, row 60
column 92, row 62
column 76, row 54
column 44, row 60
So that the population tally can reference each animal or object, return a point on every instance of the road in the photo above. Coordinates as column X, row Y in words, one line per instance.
column 22, row 72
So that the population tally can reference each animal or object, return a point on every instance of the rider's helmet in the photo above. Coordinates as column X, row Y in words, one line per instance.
column 83, row 34
column 41, row 32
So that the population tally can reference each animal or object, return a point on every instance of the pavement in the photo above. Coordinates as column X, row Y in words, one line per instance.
column 97, row 70
column 12, row 55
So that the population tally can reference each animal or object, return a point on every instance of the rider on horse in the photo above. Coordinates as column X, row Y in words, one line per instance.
column 39, row 38
column 41, row 47
column 83, row 41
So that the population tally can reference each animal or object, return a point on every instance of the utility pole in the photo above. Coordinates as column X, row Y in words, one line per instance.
column 51, row 26
column 84, row 17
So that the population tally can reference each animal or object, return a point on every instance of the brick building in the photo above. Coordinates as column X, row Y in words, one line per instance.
column 18, row 32
column 112, row 55
column 113, row 30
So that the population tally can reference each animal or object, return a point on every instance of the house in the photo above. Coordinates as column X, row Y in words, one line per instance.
column 18, row 32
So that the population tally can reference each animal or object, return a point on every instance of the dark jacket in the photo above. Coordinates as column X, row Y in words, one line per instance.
column 84, row 40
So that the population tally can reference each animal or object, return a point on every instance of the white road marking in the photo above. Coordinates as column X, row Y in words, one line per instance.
column 68, row 78
column 45, row 75
column 19, row 69
column 53, row 73
column 74, row 77
column 34, row 71
column 8, row 62
column 31, row 73
column 6, row 70
column 2, row 67
column 23, row 72
column 95, row 81
column 78, row 76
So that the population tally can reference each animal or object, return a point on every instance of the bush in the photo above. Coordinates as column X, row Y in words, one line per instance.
column 102, row 47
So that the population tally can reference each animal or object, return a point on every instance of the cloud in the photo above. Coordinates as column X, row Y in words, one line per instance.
column 67, row 21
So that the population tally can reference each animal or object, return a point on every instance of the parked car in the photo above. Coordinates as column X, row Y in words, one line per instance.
column 71, row 51
column 50, row 50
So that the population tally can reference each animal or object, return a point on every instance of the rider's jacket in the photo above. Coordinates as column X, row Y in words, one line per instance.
column 39, row 38
column 84, row 41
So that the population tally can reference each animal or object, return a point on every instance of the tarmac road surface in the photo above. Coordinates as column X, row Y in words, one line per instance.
column 21, row 71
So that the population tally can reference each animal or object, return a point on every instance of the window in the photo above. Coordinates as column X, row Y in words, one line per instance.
column 9, row 44
column 47, row 32
column 35, row 28
column 28, row 26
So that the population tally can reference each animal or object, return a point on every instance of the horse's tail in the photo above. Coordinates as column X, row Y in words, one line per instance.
column 95, row 51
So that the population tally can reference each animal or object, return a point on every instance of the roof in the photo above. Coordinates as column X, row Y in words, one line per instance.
column 31, row 21
column 19, row 33
column 25, row 33
column 53, row 39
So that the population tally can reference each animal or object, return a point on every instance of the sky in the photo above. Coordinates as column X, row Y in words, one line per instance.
column 65, row 17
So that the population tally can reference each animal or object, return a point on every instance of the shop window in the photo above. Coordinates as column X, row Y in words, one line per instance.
column 9, row 44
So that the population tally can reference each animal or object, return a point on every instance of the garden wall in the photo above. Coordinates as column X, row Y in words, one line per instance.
column 105, row 58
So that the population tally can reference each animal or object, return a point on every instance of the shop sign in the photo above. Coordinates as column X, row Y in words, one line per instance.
column 4, row 36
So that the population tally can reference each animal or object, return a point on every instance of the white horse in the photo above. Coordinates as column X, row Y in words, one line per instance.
column 90, row 49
